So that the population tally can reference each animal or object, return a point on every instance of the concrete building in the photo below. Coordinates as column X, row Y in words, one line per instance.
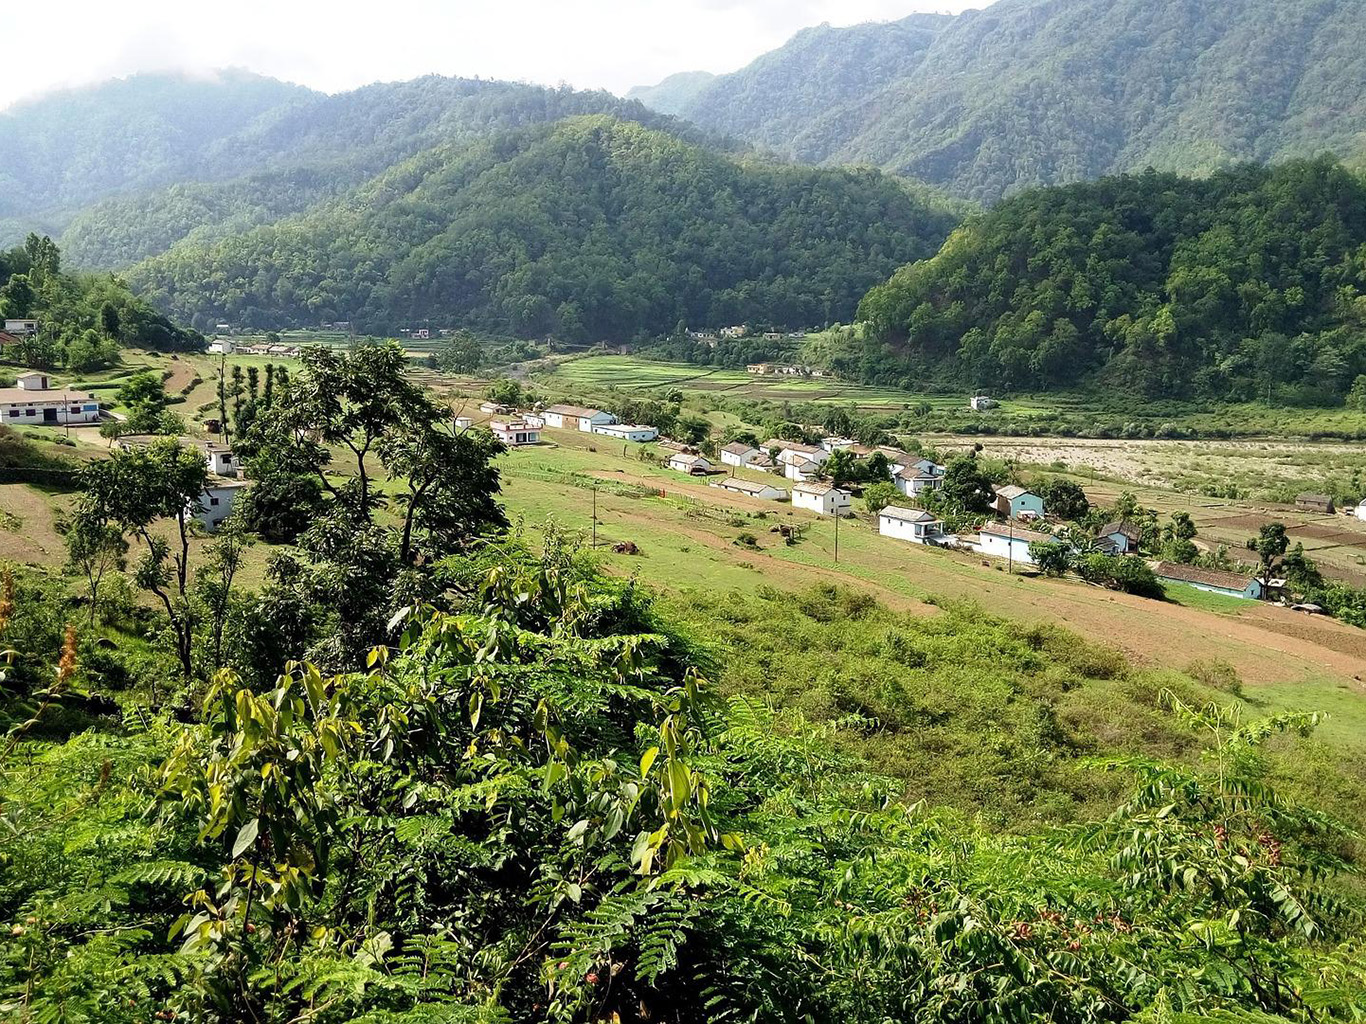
column 766, row 492
column 36, row 401
column 217, row 502
column 1013, row 502
column 627, row 432
column 737, row 453
column 1001, row 540
column 693, row 465
column 1215, row 581
column 576, row 417
column 515, row 433
column 912, row 524
column 822, row 499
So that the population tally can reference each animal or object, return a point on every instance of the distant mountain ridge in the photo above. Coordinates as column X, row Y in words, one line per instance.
column 588, row 228
column 1028, row 92
column 123, row 170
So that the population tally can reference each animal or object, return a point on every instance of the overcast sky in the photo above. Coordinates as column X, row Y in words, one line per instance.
column 337, row 45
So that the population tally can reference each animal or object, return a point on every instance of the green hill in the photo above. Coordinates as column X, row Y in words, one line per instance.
column 126, row 169
column 1027, row 92
column 590, row 228
column 1250, row 283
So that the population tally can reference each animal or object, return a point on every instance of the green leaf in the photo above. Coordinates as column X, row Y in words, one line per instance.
column 246, row 835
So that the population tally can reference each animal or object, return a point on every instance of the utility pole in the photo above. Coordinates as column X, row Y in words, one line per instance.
column 837, row 538
column 1010, row 548
column 595, row 517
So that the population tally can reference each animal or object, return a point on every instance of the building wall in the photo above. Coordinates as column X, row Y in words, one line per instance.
column 1026, row 503
column 217, row 506
column 729, row 459
column 29, row 414
column 1000, row 547
column 902, row 530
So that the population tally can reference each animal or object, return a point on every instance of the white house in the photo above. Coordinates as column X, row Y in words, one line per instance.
column 463, row 422
column 694, row 465
column 981, row 403
column 217, row 502
column 1004, row 541
column 737, row 453
column 910, row 524
column 627, row 431
column 1361, row 510
column 571, row 417
column 834, row 444
column 515, row 432
column 801, row 472
column 222, row 347
column 820, row 498
column 35, row 401
column 1216, row 581
column 20, row 326
column 495, row 409
column 533, row 419
column 913, row 482
column 1014, row 502
column 218, row 458
column 767, row 492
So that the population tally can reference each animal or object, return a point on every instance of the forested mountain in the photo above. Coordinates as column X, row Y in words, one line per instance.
column 591, row 228
column 1250, row 283
column 159, row 157
column 1045, row 91
column 69, row 148
column 674, row 93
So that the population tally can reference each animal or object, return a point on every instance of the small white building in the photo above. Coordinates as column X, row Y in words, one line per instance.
column 1000, row 540
column 495, row 409
column 822, row 499
column 463, row 422
column 1361, row 510
column 737, row 453
column 36, row 401
column 914, row 482
column 217, row 502
column 693, row 465
column 222, row 347
column 627, row 432
column 912, row 524
column 21, row 326
column 218, row 458
column 981, row 403
column 766, row 492
column 515, row 433
column 533, row 419
column 576, row 417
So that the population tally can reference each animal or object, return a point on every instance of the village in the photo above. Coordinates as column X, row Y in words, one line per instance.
column 823, row 477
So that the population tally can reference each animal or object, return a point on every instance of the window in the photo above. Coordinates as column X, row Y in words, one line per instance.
column 14, row 412
column 213, row 501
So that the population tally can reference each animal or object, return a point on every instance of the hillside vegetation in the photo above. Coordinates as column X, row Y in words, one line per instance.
column 1251, row 283
column 127, row 168
column 1028, row 92
column 591, row 228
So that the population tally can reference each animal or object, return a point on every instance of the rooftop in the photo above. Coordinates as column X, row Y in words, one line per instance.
column 908, row 515
column 746, row 486
column 1195, row 574
column 738, row 448
column 1007, row 531
column 27, row 396
column 1011, row 491
column 814, row 487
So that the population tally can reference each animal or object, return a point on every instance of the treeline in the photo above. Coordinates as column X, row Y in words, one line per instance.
column 84, row 320
column 589, row 229
column 1248, row 284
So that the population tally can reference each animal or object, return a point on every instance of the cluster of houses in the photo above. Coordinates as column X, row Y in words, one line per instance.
column 221, row 490
column 35, row 401
column 227, row 347
column 785, row 369
column 516, row 429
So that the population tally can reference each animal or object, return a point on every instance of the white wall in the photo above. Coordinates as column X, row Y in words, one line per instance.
column 900, row 529
column 1000, row 547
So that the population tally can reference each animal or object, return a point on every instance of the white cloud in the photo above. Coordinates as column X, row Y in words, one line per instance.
column 336, row 45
